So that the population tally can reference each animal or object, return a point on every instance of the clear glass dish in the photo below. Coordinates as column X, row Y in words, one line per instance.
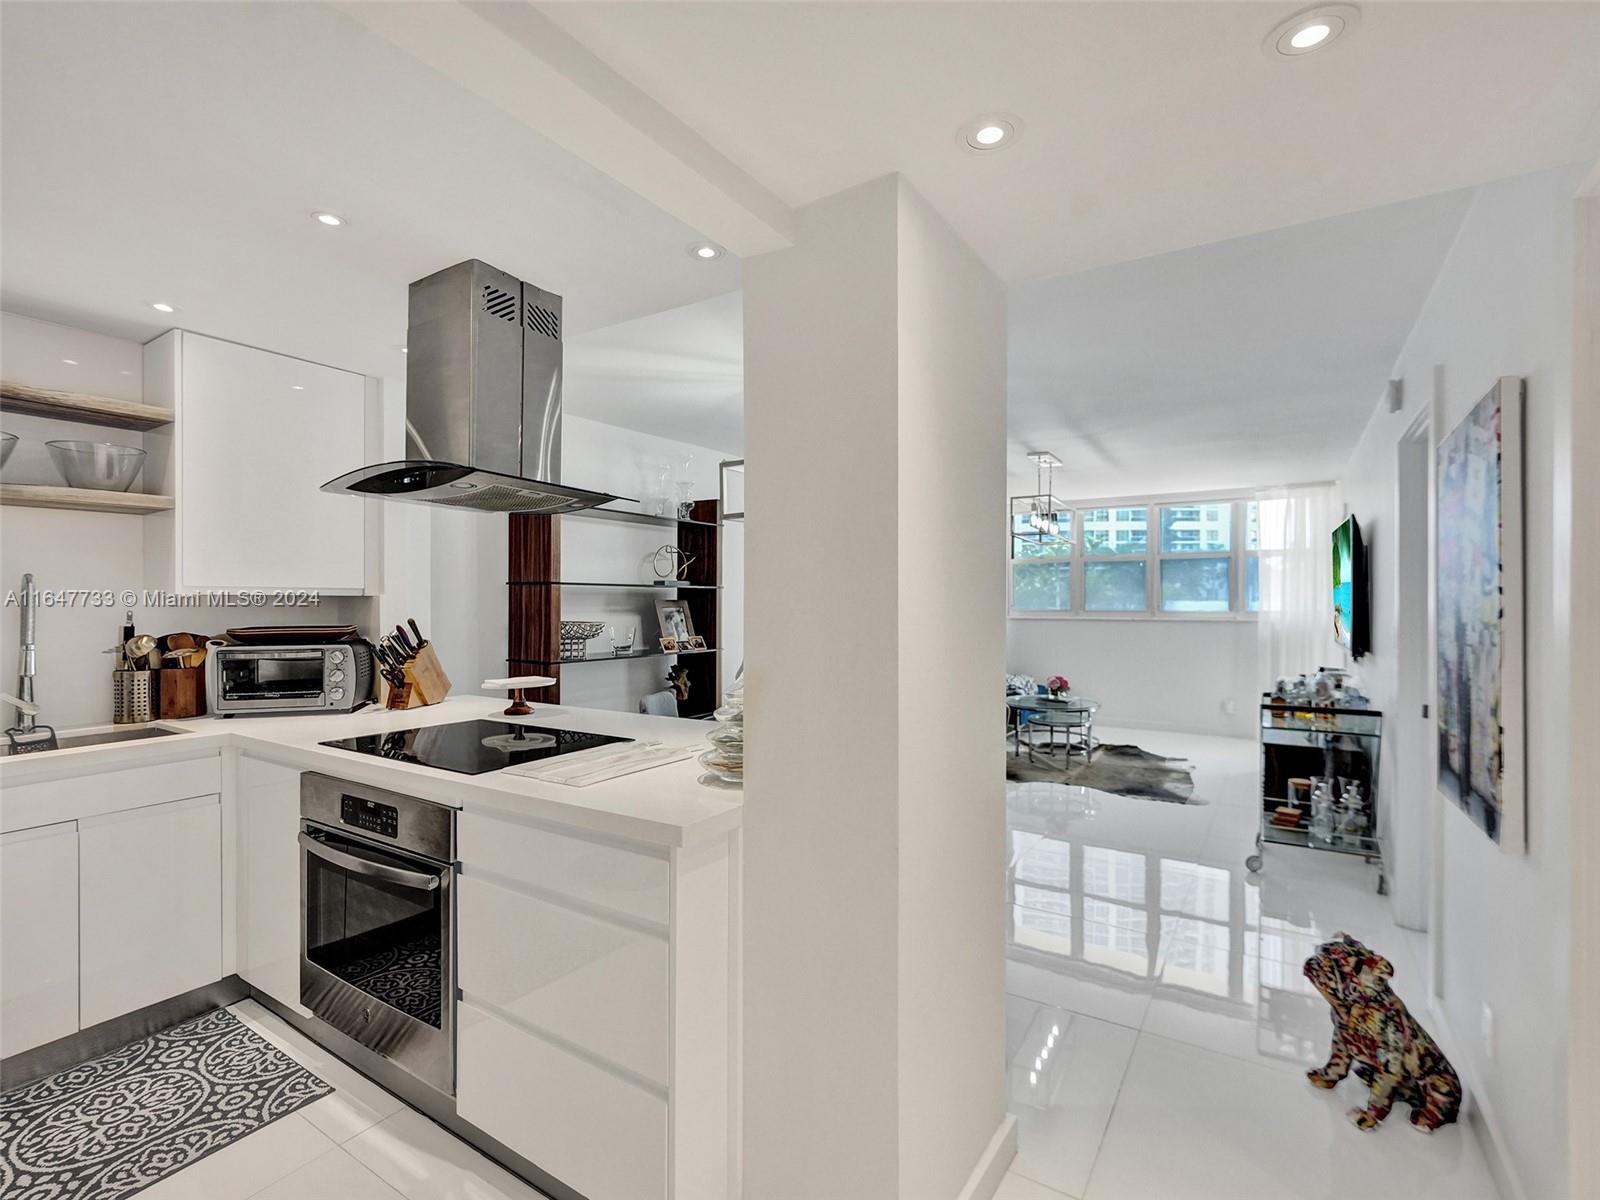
column 100, row 466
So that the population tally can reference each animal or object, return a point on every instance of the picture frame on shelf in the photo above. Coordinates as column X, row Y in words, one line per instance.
column 694, row 642
column 669, row 645
column 676, row 624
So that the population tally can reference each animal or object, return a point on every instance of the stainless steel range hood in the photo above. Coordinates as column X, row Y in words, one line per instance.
column 483, row 400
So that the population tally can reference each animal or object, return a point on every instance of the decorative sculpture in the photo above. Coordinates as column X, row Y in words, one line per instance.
column 676, row 563
column 1374, row 1033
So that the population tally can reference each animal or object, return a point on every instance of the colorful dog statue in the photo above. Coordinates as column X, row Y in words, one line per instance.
column 1373, row 1032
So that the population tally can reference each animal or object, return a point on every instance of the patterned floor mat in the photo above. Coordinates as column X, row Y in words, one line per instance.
column 118, row 1123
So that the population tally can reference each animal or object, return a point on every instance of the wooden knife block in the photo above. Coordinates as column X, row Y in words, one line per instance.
column 426, row 683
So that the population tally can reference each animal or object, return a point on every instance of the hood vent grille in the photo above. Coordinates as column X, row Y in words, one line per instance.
column 499, row 304
column 542, row 320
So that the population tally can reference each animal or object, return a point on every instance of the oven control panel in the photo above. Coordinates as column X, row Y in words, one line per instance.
column 370, row 815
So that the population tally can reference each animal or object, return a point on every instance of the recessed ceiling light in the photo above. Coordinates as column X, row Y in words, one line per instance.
column 328, row 218
column 1308, row 37
column 1311, row 29
column 162, row 306
column 990, row 132
column 71, row 362
column 705, row 251
column 299, row 387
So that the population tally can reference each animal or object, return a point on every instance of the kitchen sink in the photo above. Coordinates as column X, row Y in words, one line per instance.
column 72, row 741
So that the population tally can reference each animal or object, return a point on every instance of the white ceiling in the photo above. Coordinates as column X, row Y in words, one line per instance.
column 677, row 374
column 1149, row 126
column 174, row 151
column 1253, row 361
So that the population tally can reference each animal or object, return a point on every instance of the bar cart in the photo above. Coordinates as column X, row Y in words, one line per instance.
column 1319, row 780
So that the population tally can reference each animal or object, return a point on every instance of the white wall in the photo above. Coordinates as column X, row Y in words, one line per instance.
column 85, row 550
column 873, row 926
column 1502, row 306
column 1154, row 674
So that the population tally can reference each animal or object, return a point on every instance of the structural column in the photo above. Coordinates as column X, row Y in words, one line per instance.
column 873, row 1056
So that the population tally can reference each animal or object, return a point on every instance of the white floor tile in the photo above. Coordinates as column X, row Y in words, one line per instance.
column 1063, row 1107
column 1020, row 1187
column 1190, row 1124
column 248, row 1165
column 356, row 1104
column 423, row 1161
column 334, row 1176
column 1106, row 995
column 1019, row 1015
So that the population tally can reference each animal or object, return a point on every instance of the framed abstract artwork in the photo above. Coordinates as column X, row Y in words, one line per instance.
column 1478, row 634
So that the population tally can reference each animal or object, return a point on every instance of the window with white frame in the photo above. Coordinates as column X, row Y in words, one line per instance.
column 1165, row 558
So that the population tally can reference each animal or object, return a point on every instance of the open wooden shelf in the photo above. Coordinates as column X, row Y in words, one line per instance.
column 41, row 495
column 78, row 406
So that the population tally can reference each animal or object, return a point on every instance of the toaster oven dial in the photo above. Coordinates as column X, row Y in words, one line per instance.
column 336, row 657
column 336, row 676
column 336, row 693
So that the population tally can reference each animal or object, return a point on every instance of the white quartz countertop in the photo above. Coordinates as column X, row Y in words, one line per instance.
column 662, row 806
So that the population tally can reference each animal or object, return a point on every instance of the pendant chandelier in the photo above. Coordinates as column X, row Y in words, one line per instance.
column 1041, row 509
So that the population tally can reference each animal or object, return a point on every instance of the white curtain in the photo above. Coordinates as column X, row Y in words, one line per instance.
column 1295, row 627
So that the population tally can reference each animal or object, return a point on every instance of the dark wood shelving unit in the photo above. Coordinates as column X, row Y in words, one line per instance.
column 533, row 606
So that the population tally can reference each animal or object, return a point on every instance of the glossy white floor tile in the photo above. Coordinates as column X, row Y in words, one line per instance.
column 422, row 1161
column 1191, row 1124
column 334, row 1176
column 1020, row 1187
column 243, row 1168
column 1181, row 1075
column 1062, row 1114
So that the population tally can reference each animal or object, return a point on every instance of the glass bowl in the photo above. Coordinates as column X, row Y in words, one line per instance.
column 102, row 466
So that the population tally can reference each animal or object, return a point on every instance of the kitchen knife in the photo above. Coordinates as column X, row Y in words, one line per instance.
column 403, row 640
column 391, row 653
column 417, row 634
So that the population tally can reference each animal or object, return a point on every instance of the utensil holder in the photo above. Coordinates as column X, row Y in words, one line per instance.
column 180, row 692
column 426, row 683
column 130, row 697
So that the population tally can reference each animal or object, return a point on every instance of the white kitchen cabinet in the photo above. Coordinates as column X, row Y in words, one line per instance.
column 591, row 982
column 269, row 879
column 38, row 936
column 254, row 437
column 596, row 1132
column 150, row 905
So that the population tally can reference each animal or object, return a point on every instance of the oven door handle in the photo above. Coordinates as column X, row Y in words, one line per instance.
column 365, row 866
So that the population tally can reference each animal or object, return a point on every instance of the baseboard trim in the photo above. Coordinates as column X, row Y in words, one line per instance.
column 985, row 1179
column 1478, row 1114
column 75, row 1048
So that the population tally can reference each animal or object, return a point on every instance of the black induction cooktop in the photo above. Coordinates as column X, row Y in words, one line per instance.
column 474, row 747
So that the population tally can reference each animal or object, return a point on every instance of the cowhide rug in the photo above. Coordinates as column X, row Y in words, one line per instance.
column 1124, row 770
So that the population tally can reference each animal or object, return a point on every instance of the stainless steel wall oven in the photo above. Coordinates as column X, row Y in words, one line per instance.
column 377, row 904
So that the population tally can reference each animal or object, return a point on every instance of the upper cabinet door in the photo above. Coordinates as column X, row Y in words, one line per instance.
column 257, row 436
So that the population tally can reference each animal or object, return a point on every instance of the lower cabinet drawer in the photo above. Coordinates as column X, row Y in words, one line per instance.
column 591, row 982
column 591, row 1129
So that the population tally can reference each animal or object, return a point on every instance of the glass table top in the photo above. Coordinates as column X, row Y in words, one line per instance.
column 1053, row 704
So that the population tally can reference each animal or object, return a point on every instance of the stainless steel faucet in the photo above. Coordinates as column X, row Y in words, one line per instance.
column 25, row 661
column 27, row 734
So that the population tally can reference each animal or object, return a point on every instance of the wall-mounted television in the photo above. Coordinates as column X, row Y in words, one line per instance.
column 1350, row 589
